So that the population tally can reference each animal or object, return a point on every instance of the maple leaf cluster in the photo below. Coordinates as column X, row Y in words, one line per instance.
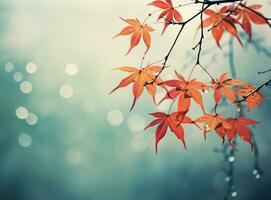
column 224, row 20
column 183, row 92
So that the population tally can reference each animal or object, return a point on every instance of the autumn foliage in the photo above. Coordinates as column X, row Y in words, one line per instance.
column 219, row 18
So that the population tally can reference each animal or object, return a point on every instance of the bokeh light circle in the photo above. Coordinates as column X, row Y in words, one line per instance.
column 227, row 179
column 26, row 87
column 18, row 76
column 231, row 159
column 71, row 69
column 9, row 67
column 25, row 140
column 66, row 91
column 234, row 194
column 255, row 171
column 32, row 119
column 31, row 68
column 21, row 112
column 115, row 117
column 136, row 123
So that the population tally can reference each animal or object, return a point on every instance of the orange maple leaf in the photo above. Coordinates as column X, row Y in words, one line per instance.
column 137, row 30
column 220, row 22
column 173, row 121
column 238, row 125
column 185, row 90
column 246, row 17
column 223, row 85
column 140, row 78
column 169, row 12
column 214, row 122
column 252, row 100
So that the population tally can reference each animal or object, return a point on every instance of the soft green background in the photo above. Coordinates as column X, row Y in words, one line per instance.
column 76, row 153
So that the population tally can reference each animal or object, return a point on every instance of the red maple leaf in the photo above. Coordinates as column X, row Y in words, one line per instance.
column 251, row 98
column 137, row 30
column 238, row 125
column 185, row 90
column 173, row 121
column 169, row 12
column 247, row 16
column 220, row 22
column 140, row 78
column 223, row 85
column 214, row 122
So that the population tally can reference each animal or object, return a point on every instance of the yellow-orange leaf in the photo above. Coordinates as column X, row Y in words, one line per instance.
column 252, row 99
column 169, row 13
column 140, row 78
column 185, row 90
column 214, row 122
column 137, row 31
column 224, row 85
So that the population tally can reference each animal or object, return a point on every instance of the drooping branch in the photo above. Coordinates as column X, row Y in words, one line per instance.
column 257, row 89
column 175, row 41
column 167, row 56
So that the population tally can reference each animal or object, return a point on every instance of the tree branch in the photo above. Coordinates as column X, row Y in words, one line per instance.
column 265, row 84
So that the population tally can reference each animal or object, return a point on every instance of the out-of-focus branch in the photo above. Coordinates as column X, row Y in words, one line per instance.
column 265, row 71
column 229, row 156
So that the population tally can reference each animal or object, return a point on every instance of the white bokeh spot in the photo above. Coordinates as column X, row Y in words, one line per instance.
column 31, row 68
column 21, row 112
column 115, row 117
column 71, row 69
column 66, row 91
column 26, row 87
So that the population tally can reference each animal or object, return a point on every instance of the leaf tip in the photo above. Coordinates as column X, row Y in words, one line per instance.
column 133, row 105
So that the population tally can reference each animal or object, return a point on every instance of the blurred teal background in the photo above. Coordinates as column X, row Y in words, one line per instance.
column 63, row 137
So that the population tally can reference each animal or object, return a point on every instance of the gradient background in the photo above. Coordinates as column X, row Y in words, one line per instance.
column 89, row 146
